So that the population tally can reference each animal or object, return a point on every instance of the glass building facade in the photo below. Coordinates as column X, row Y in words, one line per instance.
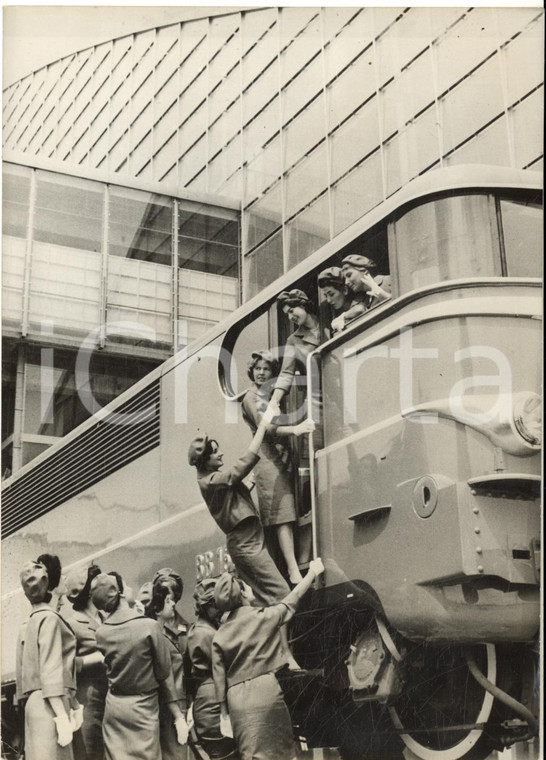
column 160, row 178
column 307, row 117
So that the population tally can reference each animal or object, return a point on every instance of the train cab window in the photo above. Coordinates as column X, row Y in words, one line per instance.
column 251, row 335
column 374, row 246
column 522, row 235
column 446, row 239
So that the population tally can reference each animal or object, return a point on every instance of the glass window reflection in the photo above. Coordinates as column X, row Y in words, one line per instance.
column 15, row 199
column 522, row 234
column 446, row 239
column 208, row 243
column 68, row 211
column 59, row 409
column 140, row 226
column 264, row 265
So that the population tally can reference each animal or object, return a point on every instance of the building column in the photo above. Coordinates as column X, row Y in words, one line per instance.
column 17, row 451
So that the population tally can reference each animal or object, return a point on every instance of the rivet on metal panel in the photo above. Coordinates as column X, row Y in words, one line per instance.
column 476, row 529
column 480, row 568
column 473, row 492
column 479, row 549
column 476, row 511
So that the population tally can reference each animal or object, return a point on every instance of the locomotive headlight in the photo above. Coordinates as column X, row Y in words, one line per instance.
column 527, row 418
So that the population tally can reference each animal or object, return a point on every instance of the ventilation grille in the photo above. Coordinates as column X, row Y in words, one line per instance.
column 96, row 453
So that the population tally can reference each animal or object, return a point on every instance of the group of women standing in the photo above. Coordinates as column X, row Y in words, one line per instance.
column 133, row 693
column 100, row 680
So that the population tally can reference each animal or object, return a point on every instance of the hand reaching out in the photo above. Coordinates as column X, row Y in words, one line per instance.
column 307, row 426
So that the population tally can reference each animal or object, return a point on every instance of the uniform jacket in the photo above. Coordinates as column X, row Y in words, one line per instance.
column 247, row 644
column 46, row 654
column 136, row 653
column 228, row 499
column 298, row 346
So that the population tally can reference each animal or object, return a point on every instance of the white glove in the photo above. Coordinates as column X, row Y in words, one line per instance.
column 182, row 730
column 189, row 717
column 76, row 717
column 316, row 566
column 64, row 730
column 225, row 726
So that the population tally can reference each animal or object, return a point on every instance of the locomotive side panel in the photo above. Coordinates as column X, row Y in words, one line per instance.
column 448, row 559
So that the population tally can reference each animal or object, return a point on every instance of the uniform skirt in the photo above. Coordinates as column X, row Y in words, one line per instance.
column 206, row 718
column 91, row 693
column 261, row 722
column 274, row 487
column 41, row 731
column 131, row 727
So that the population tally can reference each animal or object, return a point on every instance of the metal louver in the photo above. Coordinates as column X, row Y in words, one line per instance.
column 100, row 450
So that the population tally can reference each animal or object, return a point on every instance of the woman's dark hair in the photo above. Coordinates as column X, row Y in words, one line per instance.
column 160, row 593
column 81, row 601
column 265, row 356
column 207, row 451
column 53, row 566
column 295, row 298
column 119, row 580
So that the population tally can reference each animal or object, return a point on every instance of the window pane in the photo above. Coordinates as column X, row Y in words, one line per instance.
column 354, row 139
column 358, row 192
column 266, row 43
column 263, row 265
column 139, row 292
column 444, row 240
column 64, row 288
column 253, row 337
column 308, row 231
column 207, row 243
column 302, row 89
column 466, row 44
column 306, row 180
column 263, row 217
column 15, row 200
column 68, row 212
column 304, row 132
column 354, row 86
column 350, row 41
column 140, row 226
column 524, row 56
column 522, row 231
column 61, row 409
column 527, row 121
column 301, row 47
column 205, row 296
column 472, row 104
column 263, row 171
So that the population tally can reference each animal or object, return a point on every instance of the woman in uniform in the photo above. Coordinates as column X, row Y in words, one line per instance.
column 274, row 484
column 246, row 654
column 305, row 338
column 92, row 685
column 335, row 291
column 205, row 707
column 368, row 290
column 230, row 504
column 46, row 667
column 172, row 701
column 137, row 660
